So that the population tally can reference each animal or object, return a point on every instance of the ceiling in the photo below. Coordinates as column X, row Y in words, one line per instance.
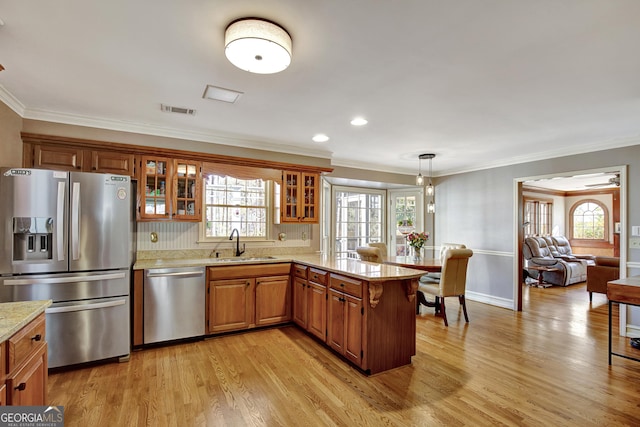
column 578, row 182
column 479, row 83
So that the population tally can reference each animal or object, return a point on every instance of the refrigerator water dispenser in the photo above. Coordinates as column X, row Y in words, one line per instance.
column 32, row 238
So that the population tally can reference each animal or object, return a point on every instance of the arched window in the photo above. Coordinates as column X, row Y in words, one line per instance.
column 589, row 220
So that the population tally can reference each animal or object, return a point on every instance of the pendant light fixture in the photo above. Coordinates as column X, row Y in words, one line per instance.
column 257, row 46
column 430, row 190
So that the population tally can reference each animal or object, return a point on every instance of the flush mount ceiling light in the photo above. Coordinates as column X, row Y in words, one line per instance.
column 257, row 46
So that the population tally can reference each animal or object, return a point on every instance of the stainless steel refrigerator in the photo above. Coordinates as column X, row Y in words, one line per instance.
column 67, row 236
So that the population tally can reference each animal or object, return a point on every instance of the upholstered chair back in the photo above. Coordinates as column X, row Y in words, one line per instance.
column 445, row 246
column 562, row 245
column 382, row 247
column 368, row 253
column 536, row 247
column 453, row 280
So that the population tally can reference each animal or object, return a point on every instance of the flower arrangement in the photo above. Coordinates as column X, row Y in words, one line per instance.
column 417, row 240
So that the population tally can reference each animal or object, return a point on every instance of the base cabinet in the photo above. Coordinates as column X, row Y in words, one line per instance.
column 230, row 304
column 24, row 355
column 246, row 296
column 345, row 326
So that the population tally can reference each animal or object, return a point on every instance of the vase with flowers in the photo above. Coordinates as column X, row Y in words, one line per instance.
column 417, row 241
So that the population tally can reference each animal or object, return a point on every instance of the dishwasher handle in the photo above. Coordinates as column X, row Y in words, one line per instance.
column 150, row 274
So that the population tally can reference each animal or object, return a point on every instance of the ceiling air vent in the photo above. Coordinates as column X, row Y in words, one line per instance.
column 179, row 110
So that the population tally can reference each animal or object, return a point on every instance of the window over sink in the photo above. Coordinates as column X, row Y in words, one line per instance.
column 236, row 203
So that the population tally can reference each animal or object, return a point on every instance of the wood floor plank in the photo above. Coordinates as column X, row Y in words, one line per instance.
column 544, row 366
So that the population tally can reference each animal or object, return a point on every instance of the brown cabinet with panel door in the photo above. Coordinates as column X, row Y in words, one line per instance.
column 345, row 318
column 310, row 300
column 26, row 362
column 299, row 197
column 247, row 296
column 69, row 158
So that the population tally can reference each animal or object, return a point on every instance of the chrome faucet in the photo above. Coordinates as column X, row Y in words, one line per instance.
column 238, row 251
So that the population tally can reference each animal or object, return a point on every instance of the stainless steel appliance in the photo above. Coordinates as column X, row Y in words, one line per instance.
column 67, row 236
column 173, row 303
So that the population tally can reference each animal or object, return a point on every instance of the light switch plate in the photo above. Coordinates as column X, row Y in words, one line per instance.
column 634, row 242
column 635, row 230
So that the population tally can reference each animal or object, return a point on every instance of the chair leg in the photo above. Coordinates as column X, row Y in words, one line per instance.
column 463, row 303
column 590, row 296
column 443, row 312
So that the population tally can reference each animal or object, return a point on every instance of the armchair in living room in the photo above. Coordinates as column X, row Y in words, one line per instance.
column 563, row 250
column 566, row 271
column 605, row 270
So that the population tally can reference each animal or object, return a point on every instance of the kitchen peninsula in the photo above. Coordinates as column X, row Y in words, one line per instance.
column 364, row 312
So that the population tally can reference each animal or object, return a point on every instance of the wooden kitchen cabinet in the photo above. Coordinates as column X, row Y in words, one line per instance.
column 299, row 197
column 317, row 303
column 310, row 301
column 273, row 300
column 345, row 318
column 26, row 362
column 57, row 157
column 186, row 201
column 248, row 295
column 231, row 304
column 170, row 189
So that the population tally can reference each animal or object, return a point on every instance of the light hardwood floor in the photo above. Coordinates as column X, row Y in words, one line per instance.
column 546, row 366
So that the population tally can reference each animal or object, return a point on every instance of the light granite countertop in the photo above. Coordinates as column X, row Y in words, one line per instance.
column 15, row 315
column 369, row 271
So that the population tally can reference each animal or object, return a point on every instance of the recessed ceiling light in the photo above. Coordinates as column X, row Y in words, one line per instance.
column 221, row 94
column 320, row 137
column 359, row 121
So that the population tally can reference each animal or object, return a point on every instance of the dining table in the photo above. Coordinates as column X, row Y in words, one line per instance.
column 431, row 265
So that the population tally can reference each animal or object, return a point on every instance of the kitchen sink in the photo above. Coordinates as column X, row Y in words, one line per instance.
column 242, row 259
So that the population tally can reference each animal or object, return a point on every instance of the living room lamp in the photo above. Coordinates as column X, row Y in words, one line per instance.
column 257, row 46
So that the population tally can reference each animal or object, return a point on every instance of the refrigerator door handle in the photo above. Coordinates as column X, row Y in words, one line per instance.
column 60, row 231
column 75, row 221
column 80, row 307
column 58, row 280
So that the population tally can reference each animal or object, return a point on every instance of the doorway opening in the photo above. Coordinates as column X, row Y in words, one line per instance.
column 559, row 184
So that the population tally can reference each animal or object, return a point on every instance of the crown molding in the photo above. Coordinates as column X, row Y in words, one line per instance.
column 11, row 101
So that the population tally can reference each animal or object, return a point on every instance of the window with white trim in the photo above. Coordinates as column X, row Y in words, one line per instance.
column 235, row 203
column 589, row 219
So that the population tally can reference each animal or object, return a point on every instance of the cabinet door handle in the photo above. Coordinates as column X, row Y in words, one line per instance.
column 21, row 387
column 248, row 283
column 36, row 337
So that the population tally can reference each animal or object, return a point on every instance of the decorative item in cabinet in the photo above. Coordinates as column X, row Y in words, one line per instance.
column 187, row 183
column 156, row 191
column 299, row 197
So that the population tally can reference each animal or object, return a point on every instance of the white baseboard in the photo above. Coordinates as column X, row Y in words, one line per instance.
column 489, row 299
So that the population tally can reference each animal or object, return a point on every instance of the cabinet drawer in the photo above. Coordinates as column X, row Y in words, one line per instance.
column 300, row 270
column 23, row 342
column 318, row 276
column 347, row 285
column 244, row 271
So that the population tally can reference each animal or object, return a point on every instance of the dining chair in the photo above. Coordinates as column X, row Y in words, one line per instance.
column 369, row 253
column 452, row 283
column 443, row 249
column 382, row 247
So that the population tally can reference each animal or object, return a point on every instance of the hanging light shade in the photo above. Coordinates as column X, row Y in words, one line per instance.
column 257, row 46
column 419, row 178
column 430, row 190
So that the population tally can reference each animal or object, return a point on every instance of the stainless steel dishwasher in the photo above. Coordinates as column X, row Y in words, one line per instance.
column 174, row 303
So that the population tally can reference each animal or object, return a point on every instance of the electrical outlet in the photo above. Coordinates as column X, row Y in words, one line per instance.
column 634, row 242
column 304, row 235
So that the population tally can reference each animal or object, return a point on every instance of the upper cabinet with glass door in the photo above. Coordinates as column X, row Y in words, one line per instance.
column 155, row 188
column 187, row 202
column 170, row 189
column 299, row 197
